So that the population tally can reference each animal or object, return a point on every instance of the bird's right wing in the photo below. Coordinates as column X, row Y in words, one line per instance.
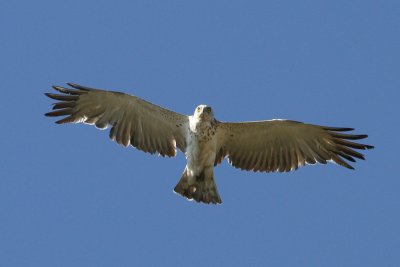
column 134, row 121
column 283, row 145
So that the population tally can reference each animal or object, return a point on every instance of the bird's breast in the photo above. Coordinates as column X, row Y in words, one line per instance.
column 201, row 148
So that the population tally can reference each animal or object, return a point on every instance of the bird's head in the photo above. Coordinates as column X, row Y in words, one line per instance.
column 204, row 112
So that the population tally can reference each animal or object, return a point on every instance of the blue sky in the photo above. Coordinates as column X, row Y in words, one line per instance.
column 71, row 197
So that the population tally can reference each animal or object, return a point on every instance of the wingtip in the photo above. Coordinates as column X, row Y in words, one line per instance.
column 72, row 84
column 338, row 129
column 60, row 89
column 346, row 129
column 80, row 87
column 69, row 119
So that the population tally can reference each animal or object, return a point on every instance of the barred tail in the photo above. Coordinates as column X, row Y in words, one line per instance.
column 202, row 188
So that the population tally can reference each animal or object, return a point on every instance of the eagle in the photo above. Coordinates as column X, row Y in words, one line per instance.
column 260, row 146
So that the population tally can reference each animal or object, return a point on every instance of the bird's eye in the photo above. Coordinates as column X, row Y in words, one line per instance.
column 198, row 109
column 207, row 109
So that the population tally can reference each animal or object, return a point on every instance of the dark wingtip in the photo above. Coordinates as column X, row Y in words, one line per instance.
column 80, row 87
column 66, row 120
column 345, row 129
column 72, row 84
column 338, row 129
column 58, row 88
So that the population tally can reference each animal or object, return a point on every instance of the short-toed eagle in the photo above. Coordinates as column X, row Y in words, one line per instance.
column 264, row 146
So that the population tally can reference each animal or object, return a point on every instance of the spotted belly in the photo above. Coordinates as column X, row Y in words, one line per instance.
column 200, row 154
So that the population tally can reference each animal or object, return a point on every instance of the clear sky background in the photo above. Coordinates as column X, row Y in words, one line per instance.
column 71, row 197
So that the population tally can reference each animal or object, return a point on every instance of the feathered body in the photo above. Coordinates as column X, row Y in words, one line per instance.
column 197, row 181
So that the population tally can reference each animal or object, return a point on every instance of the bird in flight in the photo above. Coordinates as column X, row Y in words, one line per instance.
column 260, row 146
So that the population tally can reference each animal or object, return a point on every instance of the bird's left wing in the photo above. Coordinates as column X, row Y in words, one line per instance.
column 134, row 121
column 283, row 145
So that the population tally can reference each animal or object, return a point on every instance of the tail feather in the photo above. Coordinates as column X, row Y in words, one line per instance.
column 202, row 189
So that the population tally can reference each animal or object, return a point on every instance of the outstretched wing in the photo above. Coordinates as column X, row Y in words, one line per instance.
column 283, row 145
column 134, row 121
